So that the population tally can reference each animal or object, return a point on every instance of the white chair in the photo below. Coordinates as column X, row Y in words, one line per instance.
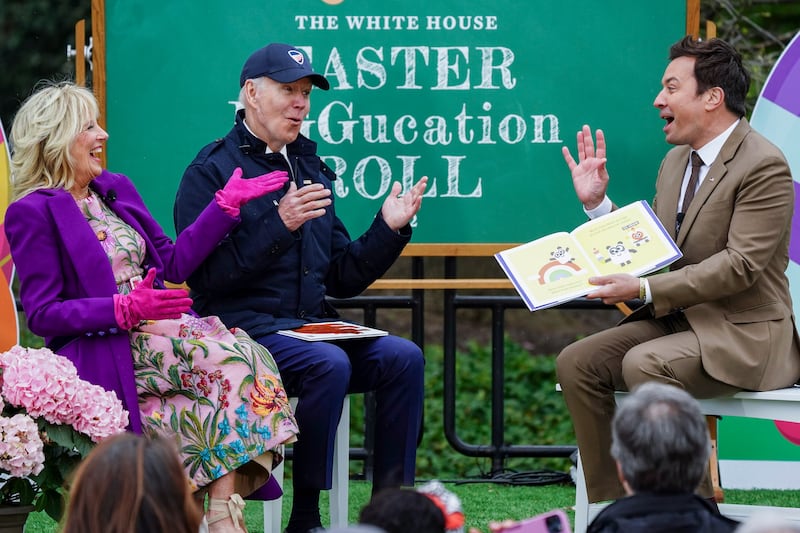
column 341, row 478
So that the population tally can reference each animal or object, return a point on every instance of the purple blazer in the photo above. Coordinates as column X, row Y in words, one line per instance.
column 66, row 283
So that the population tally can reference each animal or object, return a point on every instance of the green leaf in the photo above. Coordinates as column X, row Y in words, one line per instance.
column 52, row 503
column 67, row 437
column 18, row 490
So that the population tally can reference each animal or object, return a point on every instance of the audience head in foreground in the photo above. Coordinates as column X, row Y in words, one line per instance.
column 403, row 510
column 131, row 484
column 660, row 440
column 661, row 446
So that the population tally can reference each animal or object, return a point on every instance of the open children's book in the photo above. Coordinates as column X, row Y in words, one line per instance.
column 556, row 268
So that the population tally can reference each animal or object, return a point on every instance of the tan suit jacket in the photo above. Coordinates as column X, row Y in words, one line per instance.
column 730, row 282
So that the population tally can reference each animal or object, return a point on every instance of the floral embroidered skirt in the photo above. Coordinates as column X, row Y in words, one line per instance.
column 217, row 393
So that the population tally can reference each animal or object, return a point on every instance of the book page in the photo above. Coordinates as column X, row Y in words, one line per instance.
column 630, row 240
column 548, row 271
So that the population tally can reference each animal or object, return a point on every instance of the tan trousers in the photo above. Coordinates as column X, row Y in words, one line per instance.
column 619, row 358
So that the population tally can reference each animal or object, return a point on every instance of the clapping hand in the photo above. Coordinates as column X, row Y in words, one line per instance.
column 398, row 210
column 239, row 191
column 301, row 205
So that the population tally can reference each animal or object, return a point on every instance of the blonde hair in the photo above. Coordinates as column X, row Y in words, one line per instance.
column 43, row 131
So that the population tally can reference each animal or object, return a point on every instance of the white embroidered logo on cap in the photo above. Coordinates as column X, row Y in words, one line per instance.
column 297, row 56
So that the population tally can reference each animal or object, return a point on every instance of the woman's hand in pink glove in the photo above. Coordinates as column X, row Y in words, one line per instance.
column 239, row 191
column 146, row 303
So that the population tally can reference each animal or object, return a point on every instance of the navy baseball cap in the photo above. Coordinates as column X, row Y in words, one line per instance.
column 282, row 63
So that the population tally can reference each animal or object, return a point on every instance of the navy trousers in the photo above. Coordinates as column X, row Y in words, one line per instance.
column 320, row 374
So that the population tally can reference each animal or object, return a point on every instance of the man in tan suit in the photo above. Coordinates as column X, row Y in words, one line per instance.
column 720, row 320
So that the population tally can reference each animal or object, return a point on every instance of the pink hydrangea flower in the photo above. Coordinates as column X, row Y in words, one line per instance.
column 46, row 386
column 49, row 417
column 100, row 412
column 21, row 447
column 41, row 382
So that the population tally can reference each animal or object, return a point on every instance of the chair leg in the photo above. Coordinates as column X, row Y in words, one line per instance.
column 341, row 469
column 274, row 508
column 713, row 460
column 581, row 499
column 341, row 478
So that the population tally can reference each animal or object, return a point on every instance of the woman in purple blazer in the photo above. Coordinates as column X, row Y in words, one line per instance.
column 92, row 261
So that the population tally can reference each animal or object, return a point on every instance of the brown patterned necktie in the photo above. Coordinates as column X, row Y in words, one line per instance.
column 688, row 196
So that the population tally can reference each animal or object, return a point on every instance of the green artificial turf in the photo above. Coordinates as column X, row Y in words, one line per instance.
column 482, row 502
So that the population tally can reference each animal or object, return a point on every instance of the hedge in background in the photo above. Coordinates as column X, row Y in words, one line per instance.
column 535, row 413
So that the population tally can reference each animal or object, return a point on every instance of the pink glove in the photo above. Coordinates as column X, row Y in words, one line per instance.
column 146, row 303
column 238, row 191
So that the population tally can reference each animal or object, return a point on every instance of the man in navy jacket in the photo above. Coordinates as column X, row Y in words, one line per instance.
column 291, row 250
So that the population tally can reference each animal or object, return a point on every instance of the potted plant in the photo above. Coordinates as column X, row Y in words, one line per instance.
column 50, row 420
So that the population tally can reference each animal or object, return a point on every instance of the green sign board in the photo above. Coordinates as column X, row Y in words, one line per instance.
column 478, row 96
